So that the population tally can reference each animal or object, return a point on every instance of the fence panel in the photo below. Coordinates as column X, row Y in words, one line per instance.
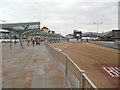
column 75, row 76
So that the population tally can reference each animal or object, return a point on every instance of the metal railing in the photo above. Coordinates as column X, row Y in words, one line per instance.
column 74, row 75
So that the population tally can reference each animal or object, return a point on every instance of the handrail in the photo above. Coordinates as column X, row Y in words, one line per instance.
column 75, row 64
column 82, row 71
column 89, row 81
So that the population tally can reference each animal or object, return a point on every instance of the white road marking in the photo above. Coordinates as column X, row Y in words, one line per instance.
column 117, row 68
column 113, row 71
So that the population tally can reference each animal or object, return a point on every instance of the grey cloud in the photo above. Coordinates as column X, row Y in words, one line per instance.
column 62, row 16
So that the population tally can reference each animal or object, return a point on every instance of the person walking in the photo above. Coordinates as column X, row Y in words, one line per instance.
column 28, row 40
column 15, row 40
column 33, row 41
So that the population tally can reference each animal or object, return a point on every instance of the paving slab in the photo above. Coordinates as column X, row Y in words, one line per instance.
column 33, row 67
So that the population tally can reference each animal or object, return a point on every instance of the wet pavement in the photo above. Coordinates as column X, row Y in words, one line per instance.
column 33, row 67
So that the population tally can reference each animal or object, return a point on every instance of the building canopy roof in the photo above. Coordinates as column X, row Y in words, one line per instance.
column 11, row 25
column 91, row 34
column 22, row 28
column 107, row 34
column 28, row 28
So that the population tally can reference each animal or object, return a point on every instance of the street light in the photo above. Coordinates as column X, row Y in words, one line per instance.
column 98, row 23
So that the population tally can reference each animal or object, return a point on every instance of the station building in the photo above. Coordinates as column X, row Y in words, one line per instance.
column 113, row 35
column 76, row 36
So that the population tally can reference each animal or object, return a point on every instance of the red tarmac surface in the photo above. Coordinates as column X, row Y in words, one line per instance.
column 92, row 58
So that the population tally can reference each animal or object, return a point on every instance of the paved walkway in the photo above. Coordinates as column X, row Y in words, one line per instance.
column 34, row 67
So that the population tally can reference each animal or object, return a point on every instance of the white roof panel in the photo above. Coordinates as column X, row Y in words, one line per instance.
column 3, row 30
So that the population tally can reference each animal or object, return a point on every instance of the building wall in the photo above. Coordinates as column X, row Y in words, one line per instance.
column 45, row 30
column 116, row 35
column 69, row 36
column 50, row 31
column 77, row 34
column 113, row 36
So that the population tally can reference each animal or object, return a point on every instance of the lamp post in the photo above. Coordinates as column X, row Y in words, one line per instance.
column 98, row 23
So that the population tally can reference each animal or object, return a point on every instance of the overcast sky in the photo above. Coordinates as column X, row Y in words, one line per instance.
column 63, row 16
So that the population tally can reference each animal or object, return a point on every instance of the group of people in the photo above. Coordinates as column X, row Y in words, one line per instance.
column 31, row 39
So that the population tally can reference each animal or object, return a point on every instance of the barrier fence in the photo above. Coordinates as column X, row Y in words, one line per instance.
column 112, row 45
column 74, row 75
